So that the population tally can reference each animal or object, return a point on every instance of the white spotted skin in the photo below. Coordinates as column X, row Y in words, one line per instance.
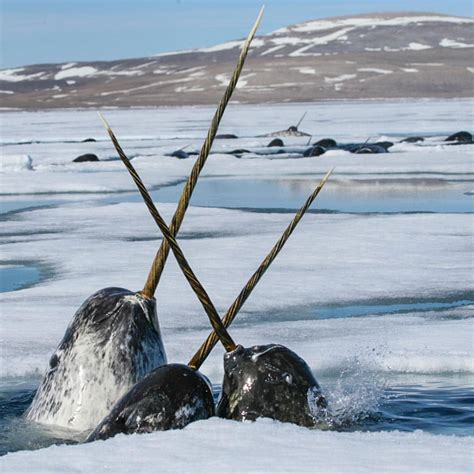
column 112, row 342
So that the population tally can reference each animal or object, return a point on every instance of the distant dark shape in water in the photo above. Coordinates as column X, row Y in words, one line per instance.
column 326, row 143
column 370, row 149
column 226, row 136
column 111, row 343
column 276, row 142
column 366, row 148
column 412, row 140
column 87, row 140
column 179, row 154
column 239, row 152
column 270, row 381
column 169, row 397
column 385, row 145
column 314, row 151
column 460, row 138
column 86, row 157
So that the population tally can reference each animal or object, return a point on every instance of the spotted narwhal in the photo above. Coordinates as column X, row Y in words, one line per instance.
column 270, row 381
column 114, row 338
column 290, row 131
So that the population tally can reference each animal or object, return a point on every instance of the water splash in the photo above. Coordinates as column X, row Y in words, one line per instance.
column 355, row 396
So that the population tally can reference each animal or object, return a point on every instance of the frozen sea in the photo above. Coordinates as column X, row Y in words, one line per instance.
column 375, row 289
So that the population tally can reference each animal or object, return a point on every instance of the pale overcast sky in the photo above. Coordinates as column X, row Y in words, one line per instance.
column 49, row 31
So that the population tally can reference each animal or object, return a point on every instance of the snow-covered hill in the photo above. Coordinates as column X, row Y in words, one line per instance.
column 369, row 56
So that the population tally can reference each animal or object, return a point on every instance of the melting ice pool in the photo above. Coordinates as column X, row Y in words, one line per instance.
column 390, row 196
column 16, row 277
column 270, row 195
column 440, row 406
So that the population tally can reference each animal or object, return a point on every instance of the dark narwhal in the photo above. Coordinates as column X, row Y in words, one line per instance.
column 169, row 397
column 270, row 381
column 114, row 338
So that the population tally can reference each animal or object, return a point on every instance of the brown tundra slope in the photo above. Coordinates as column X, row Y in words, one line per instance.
column 357, row 57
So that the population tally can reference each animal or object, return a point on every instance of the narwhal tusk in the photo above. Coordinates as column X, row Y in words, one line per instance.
column 159, row 262
column 301, row 119
column 362, row 146
column 212, row 339
column 201, row 293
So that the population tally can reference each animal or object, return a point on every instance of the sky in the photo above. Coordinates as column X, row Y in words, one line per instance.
column 53, row 31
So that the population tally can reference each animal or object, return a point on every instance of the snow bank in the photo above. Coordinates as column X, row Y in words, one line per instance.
column 264, row 446
column 16, row 163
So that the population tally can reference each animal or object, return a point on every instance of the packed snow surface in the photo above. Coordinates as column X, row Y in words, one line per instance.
column 364, row 297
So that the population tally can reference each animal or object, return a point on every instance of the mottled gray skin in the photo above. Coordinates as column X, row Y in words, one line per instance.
column 270, row 381
column 169, row 397
column 112, row 342
column 289, row 132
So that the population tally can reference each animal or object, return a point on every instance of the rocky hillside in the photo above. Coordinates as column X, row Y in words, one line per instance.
column 369, row 56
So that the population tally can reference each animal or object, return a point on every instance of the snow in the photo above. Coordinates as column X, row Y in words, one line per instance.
column 89, row 71
column 12, row 75
column 16, row 163
column 321, row 25
column 417, row 47
column 81, row 71
column 263, row 446
column 306, row 70
column 86, row 236
column 376, row 70
column 343, row 77
column 449, row 43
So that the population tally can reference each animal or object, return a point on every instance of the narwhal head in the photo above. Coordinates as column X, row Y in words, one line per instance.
column 169, row 397
column 112, row 342
column 270, row 381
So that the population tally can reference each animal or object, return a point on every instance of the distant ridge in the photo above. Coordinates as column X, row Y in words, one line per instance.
column 380, row 55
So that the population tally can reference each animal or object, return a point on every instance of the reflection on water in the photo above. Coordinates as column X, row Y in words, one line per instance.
column 279, row 195
column 353, row 197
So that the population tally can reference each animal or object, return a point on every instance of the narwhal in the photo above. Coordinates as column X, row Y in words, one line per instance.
column 290, row 131
column 175, row 395
column 114, row 338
